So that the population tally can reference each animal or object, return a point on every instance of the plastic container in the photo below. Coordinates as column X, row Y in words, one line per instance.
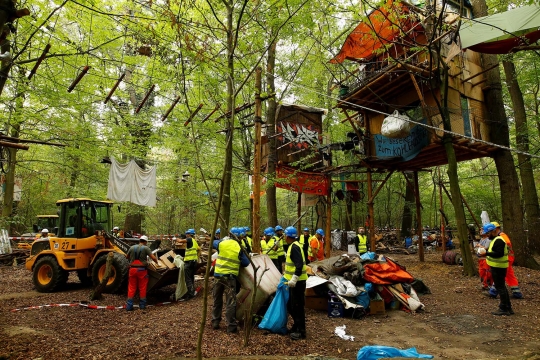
column 335, row 308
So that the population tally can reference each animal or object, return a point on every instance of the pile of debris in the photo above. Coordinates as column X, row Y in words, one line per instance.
column 389, row 242
column 17, row 256
column 352, row 286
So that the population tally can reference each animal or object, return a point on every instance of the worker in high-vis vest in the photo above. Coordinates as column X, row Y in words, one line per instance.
column 190, row 262
column 511, row 279
column 280, row 238
column 304, row 241
column 269, row 247
column 230, row 258
column 295, row 276
column 316, row 246
column 361, row 241
column 138, row 275
column 497, row 259
column 247, row 232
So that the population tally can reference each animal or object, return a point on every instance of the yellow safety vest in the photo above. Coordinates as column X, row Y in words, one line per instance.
column 279, row 241
column 191, row 253
column 303, row 239
column 267, row 245
column 250, row 241
column 501, row 262
column 309, row 251
column 227, row 261
column 362, row 243
column 290, row 269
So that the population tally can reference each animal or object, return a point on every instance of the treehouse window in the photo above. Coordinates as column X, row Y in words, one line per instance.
column 454, row 6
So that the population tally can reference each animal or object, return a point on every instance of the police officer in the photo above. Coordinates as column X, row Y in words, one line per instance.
column 497, row 259
column 296, row 276
column 269, row 247
column 190, row 262
column 361, row 241
column 230, row 258
column 138, row 275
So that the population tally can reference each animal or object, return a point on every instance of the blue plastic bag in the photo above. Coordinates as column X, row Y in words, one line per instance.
column 275, row 319
column 374, row 352
column 368, row 256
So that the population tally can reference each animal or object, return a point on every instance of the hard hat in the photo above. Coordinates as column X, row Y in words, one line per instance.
column 320, row 232
column 269, row 231
column 235, row 231
column 190, row 231
column 497, row 225
column 143, row 238
column 481, row 251
column 247, row 229
column 45, row 230
column 242, row 232
column 291, row 232
column 116, row 228
column 306, row 229
column 218, row 231
column 277, row 228
column 489, row 227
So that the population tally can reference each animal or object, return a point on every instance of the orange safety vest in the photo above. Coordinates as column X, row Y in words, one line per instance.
column 508, row 244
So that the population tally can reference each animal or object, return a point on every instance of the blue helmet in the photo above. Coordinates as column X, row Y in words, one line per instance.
column 269, row 231
column 277, row 228
column 242, row 232
column 218, row 231
column 320, row 232
column 306, row 229
column 190, row 231
column 247, row 229
column 488, row 227
column 291, row 232
column 235, row 231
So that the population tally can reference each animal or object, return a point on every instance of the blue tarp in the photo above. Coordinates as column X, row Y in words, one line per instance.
column 374, row 352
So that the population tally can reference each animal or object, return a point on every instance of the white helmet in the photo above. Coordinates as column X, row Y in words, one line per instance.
column 116, row 228
column 45, row 230
column 481, row 251
column 143, row 238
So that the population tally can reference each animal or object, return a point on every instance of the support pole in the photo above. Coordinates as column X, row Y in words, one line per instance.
column 257, row 166
column 418, row 218
column 145, row 99
column 113, row 89
column 299, row 213
column 78, row 78
column 443, row 225
column 39, row 61
column 166, row 115
column 371, row 212
column 328, row 227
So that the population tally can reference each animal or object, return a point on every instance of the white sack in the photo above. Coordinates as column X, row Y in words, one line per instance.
column 485, row 218
column 344, row 287
column 128, row 182
column 396, row 126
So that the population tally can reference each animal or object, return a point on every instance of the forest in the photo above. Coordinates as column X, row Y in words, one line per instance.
column 170, row 83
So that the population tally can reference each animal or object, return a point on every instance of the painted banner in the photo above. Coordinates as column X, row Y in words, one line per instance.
column 301, row 181
column 407, row 148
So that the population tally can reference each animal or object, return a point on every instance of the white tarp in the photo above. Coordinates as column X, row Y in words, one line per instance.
column 128, row 182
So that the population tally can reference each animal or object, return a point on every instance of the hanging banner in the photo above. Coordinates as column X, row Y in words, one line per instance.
column 302, row 181
column 17, row 188
column 407, row 148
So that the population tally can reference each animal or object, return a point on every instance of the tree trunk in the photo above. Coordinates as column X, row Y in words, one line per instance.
column 96, row 293
column 508, row 179
column 271, row 203
column 227, row 170
column 406, row 221
column 530, row 196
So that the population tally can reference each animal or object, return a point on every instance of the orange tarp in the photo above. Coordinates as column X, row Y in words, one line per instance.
column 383, row 26
column 386, row 273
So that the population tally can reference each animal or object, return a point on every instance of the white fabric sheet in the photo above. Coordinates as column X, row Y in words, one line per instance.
column 128, row 182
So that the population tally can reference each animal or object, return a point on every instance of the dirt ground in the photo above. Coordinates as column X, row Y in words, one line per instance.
column 456, row 324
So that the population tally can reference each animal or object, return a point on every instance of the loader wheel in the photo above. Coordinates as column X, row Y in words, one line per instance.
column 118, row 278
column 48, row 276
column 84, row 278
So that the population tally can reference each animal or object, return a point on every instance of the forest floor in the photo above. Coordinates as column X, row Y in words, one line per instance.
column 456, row 324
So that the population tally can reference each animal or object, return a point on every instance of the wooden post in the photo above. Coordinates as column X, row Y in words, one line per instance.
column 328, row 227
column 443, row 236
column 257, row 166
column 299, row 214
column 371, row 212
column 418, row 217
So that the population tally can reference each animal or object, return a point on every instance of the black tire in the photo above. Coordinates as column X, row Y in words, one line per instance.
column 48, row 276
column 118, row 279
column 5, row 159
column 84, row 278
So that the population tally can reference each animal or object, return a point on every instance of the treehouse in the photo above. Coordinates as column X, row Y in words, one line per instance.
column 395, row 62
column 406, row 59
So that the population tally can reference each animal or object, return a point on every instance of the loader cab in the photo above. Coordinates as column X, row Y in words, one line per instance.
column 46, row 222
column 82, row 218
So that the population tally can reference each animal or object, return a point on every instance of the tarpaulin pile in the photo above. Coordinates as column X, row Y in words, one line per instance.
column 360, row 281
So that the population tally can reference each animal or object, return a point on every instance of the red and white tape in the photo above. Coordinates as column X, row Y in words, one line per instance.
column 87, row 306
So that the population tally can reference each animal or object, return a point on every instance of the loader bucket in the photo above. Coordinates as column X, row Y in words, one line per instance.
column 160, row 279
